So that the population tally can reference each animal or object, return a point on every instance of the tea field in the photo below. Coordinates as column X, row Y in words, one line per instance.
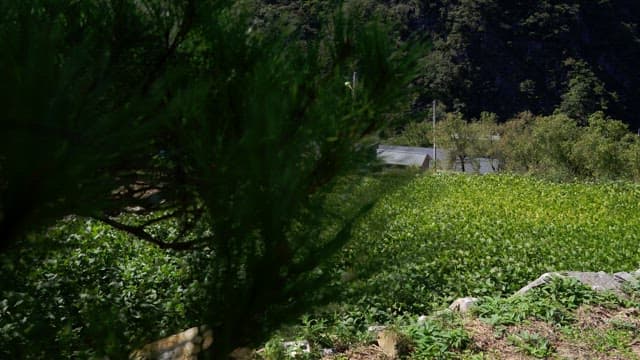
column 445, row 236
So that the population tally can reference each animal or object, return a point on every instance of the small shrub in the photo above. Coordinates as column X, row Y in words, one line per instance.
column 532, row 343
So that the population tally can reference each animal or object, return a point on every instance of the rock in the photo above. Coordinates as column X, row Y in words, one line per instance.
column 598, row 281
column 184, row 345
column 623, row 277
column 207, row 337
column 393, row 344
column 388, row 342
column 462, row 305
column 543, row 279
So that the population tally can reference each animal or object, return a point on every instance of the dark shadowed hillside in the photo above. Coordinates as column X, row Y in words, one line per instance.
column 507, row 56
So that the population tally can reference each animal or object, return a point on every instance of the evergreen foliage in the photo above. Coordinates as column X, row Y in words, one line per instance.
column 192, row 115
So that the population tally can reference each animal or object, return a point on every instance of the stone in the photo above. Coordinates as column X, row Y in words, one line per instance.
column 462, row 305
column 184, row 345
column 623, row 277
column 207, row 337
column 388, row 343
column 597, row 281
column 393, row 344
column 543, row 279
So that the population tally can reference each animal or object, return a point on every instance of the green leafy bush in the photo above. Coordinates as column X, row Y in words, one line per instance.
column 437, row 340
column 84, row 290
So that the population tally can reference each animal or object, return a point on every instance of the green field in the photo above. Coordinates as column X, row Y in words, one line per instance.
column 445, row 236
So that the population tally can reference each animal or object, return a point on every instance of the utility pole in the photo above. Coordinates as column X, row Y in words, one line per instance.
column 435, row 156
column 353, row 83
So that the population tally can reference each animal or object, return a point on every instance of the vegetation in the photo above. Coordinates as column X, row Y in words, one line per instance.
column 165, row 164
column 554, row 147
column 445, row 236
column 436, row 238
column 186, row 126
column 85, row 290
column 506, row 56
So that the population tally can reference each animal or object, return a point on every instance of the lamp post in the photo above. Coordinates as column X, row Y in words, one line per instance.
column 353, row 83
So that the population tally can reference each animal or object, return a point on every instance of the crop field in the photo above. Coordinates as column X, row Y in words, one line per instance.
column 445, row 236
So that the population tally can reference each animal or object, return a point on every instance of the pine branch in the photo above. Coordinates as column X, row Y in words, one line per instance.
column 139, row 232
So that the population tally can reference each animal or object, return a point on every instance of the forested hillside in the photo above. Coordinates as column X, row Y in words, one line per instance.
column 508, row 56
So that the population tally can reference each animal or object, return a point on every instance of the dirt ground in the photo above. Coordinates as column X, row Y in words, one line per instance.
column 592, row 336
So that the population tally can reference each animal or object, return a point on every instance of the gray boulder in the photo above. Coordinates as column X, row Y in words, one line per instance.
column 598, row 281
column 462, row 305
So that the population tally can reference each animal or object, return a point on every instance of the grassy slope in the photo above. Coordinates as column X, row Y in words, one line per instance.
column 446, row 236
column 562, row 320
